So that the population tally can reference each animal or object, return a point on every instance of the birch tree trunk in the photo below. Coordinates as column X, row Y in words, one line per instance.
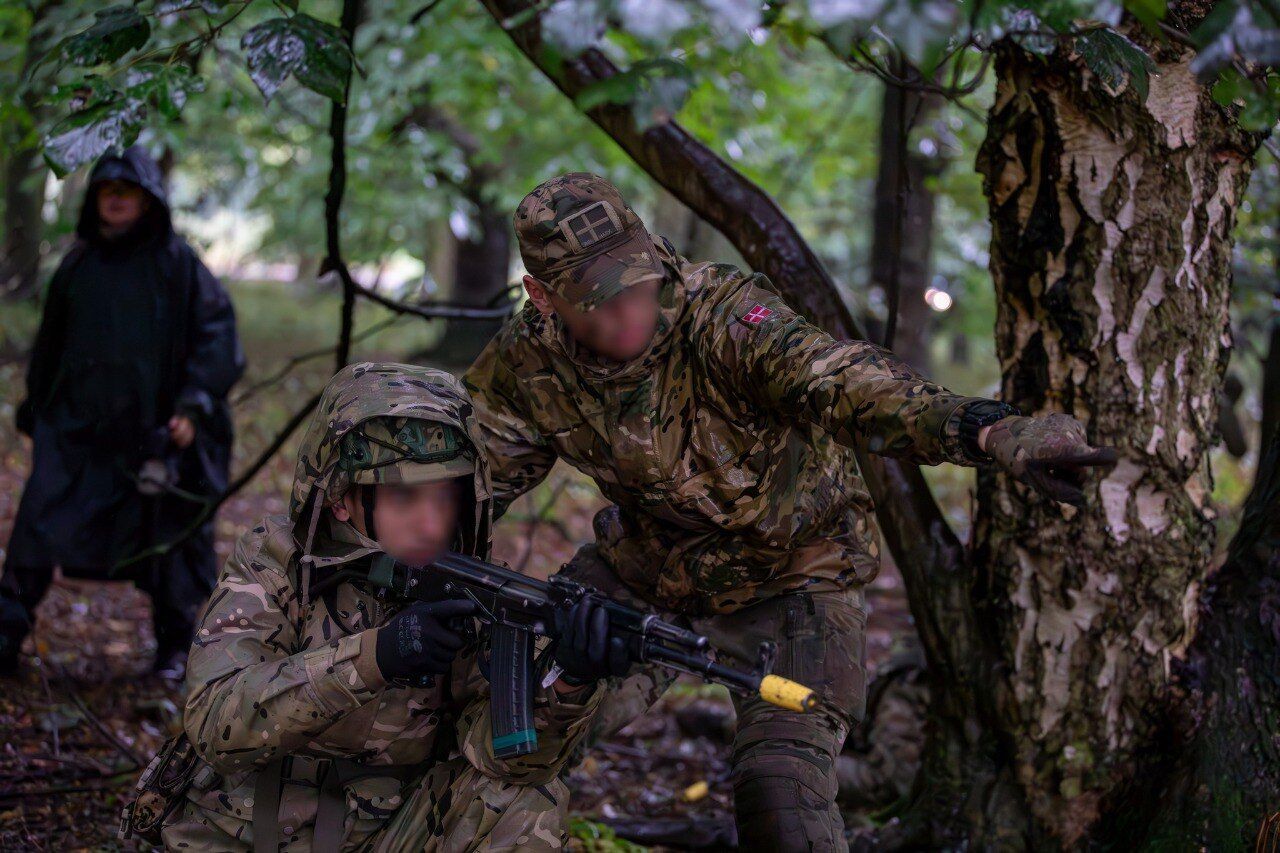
column 1111, row 258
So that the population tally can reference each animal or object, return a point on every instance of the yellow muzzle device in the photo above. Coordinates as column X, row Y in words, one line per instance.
column 787, row 694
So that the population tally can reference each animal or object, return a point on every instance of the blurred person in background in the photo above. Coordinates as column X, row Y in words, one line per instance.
column 126, row 408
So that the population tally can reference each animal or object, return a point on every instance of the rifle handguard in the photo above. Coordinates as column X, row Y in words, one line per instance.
column 788, row 694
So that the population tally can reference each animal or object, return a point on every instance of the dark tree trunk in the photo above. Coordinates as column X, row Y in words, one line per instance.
column 1219, row 764
column 1271, row 368
column 902, row 233
column 482, row 263
column 24, row 176
column 482, row 259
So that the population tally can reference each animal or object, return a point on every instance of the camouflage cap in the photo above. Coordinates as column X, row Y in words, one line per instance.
column 579, row 237
column 406, row 451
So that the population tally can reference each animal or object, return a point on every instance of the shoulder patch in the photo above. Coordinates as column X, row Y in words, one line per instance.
column 756, row 314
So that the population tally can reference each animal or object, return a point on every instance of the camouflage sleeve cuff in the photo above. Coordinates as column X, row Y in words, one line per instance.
column 961, row 428
column 367, row 661
column 334, row 676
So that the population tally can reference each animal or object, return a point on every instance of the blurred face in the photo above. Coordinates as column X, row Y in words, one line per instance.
column 415, row 524
column 121, row 204
column 619, row 329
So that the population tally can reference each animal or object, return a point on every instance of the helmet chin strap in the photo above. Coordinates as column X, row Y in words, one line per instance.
column 367, row 500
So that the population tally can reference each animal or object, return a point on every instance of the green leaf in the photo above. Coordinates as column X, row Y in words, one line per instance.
column 91, row 89
column 166, row 86
column 619, row 89
column 1258, row 104
column 117, row 30
column 85, row 136
column 210, row 7
column 659, row 100
column 1117, row 62
column 1149, row 12
column 655, row 89
column 1262, row 106
column 1059, row 14
column 312, row 51
column 327, row 62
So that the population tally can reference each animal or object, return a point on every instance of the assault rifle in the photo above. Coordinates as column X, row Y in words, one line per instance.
column 515, row 609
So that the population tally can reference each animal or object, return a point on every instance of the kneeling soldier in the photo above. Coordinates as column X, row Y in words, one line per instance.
column 322, row 717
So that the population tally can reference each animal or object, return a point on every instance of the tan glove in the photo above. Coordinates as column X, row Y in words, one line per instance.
column 1049, row 454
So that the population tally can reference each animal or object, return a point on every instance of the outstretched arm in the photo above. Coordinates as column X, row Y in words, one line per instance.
column 860, row 393
column 864, row 395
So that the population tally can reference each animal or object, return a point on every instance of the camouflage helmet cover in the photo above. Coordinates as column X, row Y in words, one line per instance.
column 412, row 425
column 404, row 450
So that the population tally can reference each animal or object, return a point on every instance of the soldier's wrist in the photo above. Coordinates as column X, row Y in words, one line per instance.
column 975, row 421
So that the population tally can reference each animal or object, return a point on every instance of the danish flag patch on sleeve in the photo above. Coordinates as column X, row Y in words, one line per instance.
column 757, row 315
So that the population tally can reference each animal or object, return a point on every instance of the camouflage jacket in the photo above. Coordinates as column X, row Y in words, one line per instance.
column 274, row 672
column 725, row 448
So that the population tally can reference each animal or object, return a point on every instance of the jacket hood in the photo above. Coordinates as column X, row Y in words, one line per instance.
column 136, row 166
column 361, row 392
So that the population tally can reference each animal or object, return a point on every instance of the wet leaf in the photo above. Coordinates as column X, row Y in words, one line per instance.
column 84, row 136
column 211, row 7
column 310, row 50
column 1117, row 62
column 117, row 30
column 165, row 86
column 91, row 89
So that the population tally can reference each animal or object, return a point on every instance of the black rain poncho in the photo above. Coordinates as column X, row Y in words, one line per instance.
column 135, row 329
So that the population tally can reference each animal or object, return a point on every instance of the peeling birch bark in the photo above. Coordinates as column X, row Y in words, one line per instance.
column 1111, row 250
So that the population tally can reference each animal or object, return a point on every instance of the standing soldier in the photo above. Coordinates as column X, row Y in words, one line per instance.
column 720, row 424
column 126, row 408
column 323, row 716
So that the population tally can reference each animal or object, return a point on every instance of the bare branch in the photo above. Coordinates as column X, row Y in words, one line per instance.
column 436, row 310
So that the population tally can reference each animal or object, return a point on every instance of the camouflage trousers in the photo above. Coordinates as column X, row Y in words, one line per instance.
column 784, row 763
column 453, row 808
column 458, row 808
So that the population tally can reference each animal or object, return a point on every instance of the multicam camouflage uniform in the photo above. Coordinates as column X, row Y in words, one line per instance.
column 286, row 701
column 725, row 449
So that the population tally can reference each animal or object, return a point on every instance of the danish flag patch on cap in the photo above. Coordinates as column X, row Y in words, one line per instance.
column 757, row 315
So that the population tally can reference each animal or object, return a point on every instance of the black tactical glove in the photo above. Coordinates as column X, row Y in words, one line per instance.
column 422, row 639
column 1049, row 454
column 586, row 649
